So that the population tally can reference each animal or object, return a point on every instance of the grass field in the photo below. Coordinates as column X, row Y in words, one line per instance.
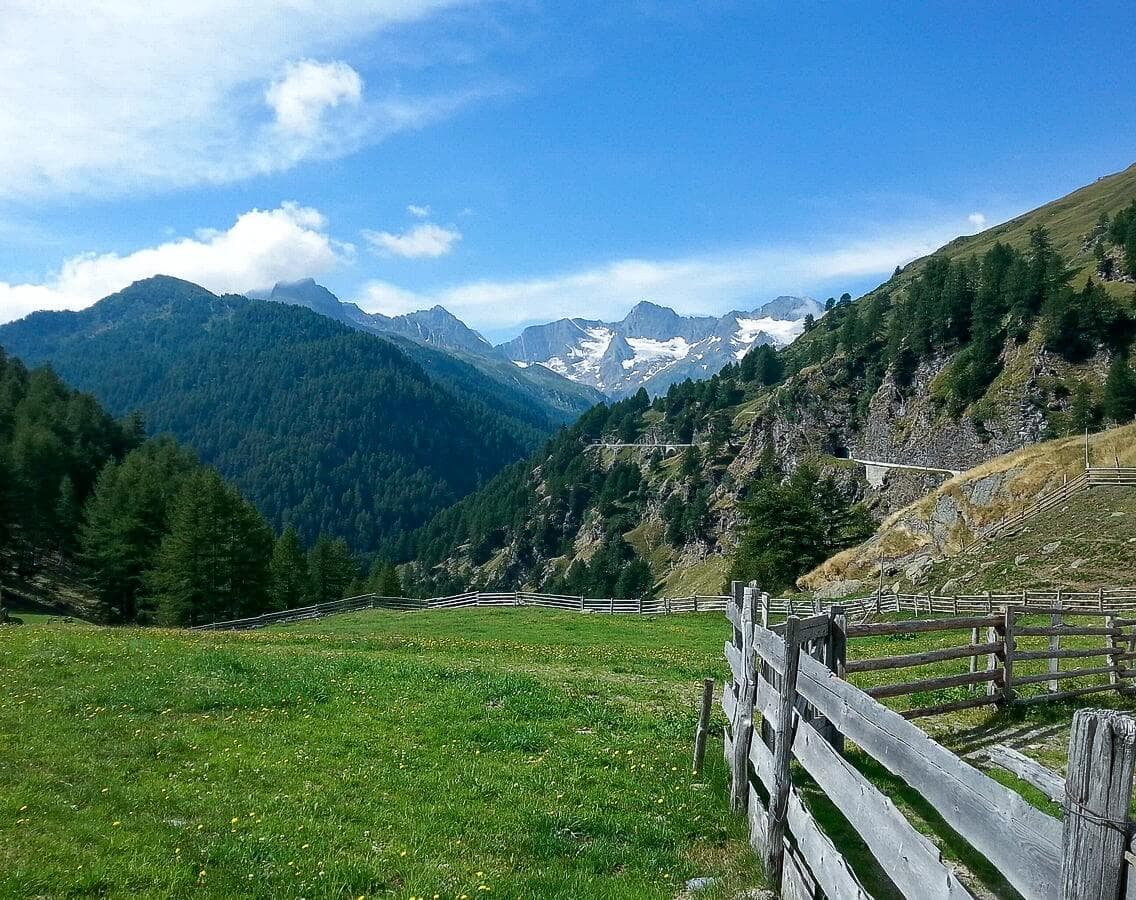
column 511, row 753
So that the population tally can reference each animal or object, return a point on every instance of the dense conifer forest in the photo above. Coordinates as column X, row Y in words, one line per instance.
column 151, row 535
column 325, row 429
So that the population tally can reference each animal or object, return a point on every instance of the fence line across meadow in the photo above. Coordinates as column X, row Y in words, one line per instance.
column 881, row 603
column 653, row 606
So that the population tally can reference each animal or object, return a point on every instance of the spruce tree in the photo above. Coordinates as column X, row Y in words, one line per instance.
column 289, row 569
column 331, row 570
column 1119, row 398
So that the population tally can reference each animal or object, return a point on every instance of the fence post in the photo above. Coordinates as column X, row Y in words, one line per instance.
column 1098, row 789
column 764, row 609
column 581, row 604
column 611, row 605
column 640, row 604
column 1008, row 647
column 835, row 656
column 743, row 715
column 782, row 754
column 1054, row 662
column 703, row 724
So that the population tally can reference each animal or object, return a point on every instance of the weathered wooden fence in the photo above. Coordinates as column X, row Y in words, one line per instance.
column 790, row 676
column 653, row 606
column 1091, row 477
column 886, row 602
column 1015, row 654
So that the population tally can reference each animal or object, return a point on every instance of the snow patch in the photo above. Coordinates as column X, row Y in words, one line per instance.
column 783, row 331
column 648, row 350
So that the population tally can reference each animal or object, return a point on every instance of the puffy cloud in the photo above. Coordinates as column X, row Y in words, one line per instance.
column 977, row 219
column 261, row 247
column 422, row 241
column 419, row 212
column 711, row 283
column 307, row 88
column 125, row 96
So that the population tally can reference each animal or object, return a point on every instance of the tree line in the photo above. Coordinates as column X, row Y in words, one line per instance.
column 156, row 536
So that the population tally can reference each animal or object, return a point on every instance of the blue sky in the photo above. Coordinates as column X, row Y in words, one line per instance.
column 519, row 161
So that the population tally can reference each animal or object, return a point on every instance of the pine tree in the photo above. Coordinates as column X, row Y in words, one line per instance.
column 384, row 580
column 1119, row 398
column 289, row 569
column 331, row 570
column 213, row 562
column 124, row 521
column 1082, row 413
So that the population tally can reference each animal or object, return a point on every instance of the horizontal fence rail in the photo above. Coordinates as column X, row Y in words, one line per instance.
column 1118, row 600
column 648, row 606
column 786, row 700
column 1091, row 477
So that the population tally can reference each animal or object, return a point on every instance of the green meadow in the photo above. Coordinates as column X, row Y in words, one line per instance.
column 509, row 753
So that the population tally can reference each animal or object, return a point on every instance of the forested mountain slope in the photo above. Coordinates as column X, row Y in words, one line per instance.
column 324, row 428
column 954, row 360
column 96, row 520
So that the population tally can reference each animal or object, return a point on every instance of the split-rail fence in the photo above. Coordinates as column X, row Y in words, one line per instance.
column 788, row 699
column 654, row 606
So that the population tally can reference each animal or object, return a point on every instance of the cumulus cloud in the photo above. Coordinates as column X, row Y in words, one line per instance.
column 307, row 88
column 422, row 241
column 260, row 248
column 977, row 219
column 710, row 283
column 419, row 212
column 121, row 98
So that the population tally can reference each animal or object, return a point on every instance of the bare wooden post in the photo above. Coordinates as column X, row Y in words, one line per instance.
column 743, row 715
column 1098, row 789
column 991, row 661
column 1008, row 646
column 782, row 754
column 764, row 609
column 974, row 657
column 834, row 658
column 1054, row 647
column 1111, row 644
column 703, row 724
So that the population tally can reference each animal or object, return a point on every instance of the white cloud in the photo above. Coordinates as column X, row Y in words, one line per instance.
column 419, row 212
column 710, row 283
column 422, row 241
column 261, row 247
column 307, row 88
column 977, row 219
column 121, row 97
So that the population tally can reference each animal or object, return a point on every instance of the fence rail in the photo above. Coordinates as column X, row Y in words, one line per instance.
column 1091, row 477
column 786, row 699
column 653, row 606
column 1119, row 600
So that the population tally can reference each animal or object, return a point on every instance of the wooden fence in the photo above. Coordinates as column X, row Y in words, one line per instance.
column 1091, row 477
column 611, row 605
column 790, row 676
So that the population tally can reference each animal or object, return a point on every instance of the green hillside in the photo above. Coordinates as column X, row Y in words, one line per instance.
column 509, row 753
column 1092, row 545
column 966, row 355
column 1068, row 220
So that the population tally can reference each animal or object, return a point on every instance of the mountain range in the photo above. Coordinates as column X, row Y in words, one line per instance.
column 652, row 347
